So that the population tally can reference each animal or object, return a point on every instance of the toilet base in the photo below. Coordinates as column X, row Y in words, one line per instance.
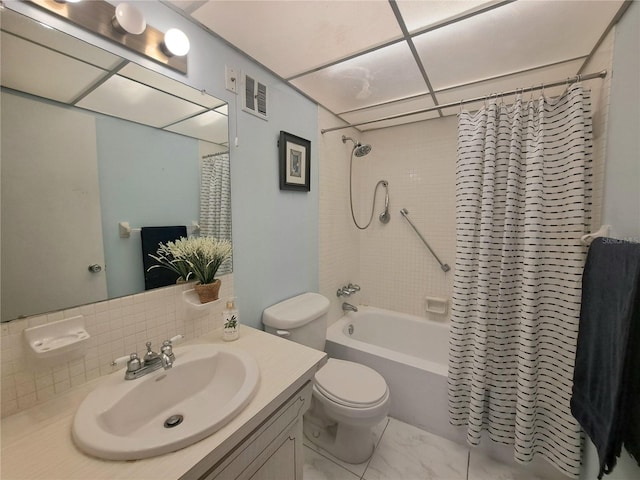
column 351, row 444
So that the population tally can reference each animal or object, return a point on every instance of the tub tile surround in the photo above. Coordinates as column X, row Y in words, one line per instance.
column 117, row 327
column 389, row 262
column 408, row 453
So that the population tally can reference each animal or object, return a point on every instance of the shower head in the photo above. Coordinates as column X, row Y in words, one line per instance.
column 359, row 150
column 362, row 150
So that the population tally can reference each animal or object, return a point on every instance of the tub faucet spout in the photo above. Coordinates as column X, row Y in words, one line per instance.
column 348, row 307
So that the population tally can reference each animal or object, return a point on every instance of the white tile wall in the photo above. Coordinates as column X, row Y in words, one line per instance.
column 418, row 161
column 339, row 253
column 389, row 262
column 117, row 327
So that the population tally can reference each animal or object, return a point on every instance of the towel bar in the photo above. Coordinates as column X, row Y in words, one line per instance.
column 125, row 229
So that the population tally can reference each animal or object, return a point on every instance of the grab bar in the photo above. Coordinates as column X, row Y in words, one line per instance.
column 443, row 266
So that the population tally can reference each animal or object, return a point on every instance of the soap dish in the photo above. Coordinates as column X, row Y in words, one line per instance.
column 64, row 338
column 436, row 305
column 192, row 299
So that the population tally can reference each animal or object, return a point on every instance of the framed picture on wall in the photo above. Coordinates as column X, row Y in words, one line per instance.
column 295, row 162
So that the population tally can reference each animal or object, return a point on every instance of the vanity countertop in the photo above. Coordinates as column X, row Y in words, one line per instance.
column 37, row 444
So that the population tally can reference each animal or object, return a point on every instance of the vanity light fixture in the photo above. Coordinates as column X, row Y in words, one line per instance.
column 128, row 19
column 126, row 25
column 175, row 43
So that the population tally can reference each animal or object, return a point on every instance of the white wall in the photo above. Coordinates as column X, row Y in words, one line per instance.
column 622, row 178
column 621, row 200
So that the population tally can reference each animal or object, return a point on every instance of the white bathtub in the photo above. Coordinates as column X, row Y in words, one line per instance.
column 410, row 352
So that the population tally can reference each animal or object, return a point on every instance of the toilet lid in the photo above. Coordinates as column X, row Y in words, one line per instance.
column 350, row 384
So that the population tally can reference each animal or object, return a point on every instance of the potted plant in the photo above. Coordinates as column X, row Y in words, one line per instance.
column 201, row 257
column 169, row 256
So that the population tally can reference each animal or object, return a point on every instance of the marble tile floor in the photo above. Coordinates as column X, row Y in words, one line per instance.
column 404, row 452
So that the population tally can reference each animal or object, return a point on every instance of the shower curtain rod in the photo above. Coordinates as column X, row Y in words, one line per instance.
column 567, row 81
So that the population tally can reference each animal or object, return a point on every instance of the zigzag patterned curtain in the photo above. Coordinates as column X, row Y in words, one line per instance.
column 215, row 201
column 523, row 199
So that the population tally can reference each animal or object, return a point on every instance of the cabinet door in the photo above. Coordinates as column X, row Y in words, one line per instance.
column 287, row 460
column 280, row 465
column 274, row 451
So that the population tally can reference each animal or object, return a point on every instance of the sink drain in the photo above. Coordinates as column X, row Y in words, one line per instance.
column 173, row 421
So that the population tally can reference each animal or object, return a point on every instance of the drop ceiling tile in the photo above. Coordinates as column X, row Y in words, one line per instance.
column 419, row 14
column 512, row 38
column 400, row 121
column 384, row 75
column 166, row 84
column 521, row 80
column 31, row 68
column 386, row 110
column 210, row 126
column 294, row 37
column 124, row 98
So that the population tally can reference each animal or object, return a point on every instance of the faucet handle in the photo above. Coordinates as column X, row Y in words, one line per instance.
column 355, row 288
column 343, row 292
column 134, row 363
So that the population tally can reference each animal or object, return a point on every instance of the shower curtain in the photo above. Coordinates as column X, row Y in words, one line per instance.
column 523, row 199
column 215, row 201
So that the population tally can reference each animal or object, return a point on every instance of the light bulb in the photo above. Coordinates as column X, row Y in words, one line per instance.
column 129, row 19
column 176, row 42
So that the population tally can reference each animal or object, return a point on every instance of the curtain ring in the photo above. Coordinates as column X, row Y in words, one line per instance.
column 460, row 107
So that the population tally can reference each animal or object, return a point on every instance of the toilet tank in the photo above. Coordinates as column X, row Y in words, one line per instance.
column 302, row 319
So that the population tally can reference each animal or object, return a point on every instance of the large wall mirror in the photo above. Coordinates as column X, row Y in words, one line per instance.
column 90, row 140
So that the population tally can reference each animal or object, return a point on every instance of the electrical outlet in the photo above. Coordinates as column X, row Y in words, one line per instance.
column 231, row 79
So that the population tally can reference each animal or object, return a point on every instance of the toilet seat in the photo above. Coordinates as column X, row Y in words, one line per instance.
column 351, row 384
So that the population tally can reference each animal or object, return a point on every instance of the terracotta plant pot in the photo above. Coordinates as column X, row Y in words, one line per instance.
column 208, row 292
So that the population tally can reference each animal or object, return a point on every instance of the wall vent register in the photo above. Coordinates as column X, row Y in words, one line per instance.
column 255, row 97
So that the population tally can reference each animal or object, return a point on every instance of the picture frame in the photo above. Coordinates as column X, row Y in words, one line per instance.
column 295, row 162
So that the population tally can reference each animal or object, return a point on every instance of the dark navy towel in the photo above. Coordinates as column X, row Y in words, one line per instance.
column 606, row 380
column 151, row 238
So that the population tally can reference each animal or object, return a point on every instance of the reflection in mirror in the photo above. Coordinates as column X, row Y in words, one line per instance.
column 90, row 140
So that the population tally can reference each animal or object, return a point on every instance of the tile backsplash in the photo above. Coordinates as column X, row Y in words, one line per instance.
column 117, row 327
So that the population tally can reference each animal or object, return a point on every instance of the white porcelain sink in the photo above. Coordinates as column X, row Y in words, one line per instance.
column 125, row 419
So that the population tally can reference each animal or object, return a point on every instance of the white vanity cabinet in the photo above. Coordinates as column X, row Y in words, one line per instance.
column 272, row 451
column 263, row 442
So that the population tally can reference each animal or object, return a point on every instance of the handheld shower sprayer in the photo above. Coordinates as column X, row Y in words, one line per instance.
column 360, row 150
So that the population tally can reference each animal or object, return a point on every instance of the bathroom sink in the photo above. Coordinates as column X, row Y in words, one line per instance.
column 169, row 409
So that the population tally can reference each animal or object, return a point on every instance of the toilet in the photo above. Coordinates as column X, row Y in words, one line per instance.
column 348, row 399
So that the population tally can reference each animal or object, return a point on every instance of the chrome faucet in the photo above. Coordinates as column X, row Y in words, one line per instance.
column 348, row 307
column 151, row 362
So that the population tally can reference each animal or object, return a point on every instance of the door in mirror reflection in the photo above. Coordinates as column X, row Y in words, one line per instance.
column 51, row 219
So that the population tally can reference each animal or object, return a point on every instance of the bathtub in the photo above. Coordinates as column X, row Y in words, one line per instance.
column 410, row 352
